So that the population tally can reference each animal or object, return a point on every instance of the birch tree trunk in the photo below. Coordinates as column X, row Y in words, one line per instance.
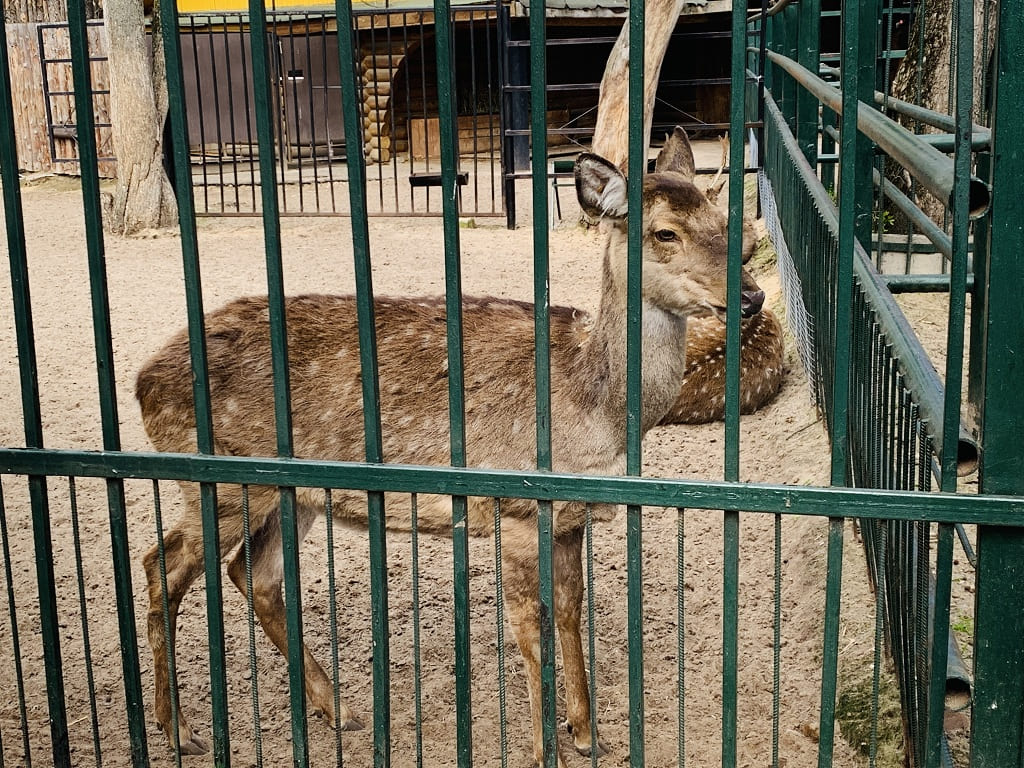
column 143, row 197
column 611, row 135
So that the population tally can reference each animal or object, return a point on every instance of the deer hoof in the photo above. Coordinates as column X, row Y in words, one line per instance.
column 195, row 746
column 585, row 749
column 351, row 724
column 600, row 751
column 189, row 742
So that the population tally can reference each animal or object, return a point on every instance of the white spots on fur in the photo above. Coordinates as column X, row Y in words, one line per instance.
column 341, row 354
column 231, row 405
column 313, row 368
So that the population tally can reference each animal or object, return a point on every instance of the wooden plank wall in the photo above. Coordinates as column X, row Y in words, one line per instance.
column 30, row 121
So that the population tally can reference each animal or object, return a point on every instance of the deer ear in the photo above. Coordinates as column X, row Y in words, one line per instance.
column 676, row 156
column 600, row 187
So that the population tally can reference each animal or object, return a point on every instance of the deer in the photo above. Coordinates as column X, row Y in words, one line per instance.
column 702, row 394
column 684, row 274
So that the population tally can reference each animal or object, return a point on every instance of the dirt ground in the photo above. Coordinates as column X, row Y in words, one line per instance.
column 783, row 443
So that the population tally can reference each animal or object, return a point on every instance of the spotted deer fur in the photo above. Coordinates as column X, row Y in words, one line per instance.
column 684, row 252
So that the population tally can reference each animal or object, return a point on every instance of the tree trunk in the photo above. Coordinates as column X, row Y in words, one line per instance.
column 46, row 11
column 143, row 197
column 925, row 73
column 611, row 135
column 34, row 11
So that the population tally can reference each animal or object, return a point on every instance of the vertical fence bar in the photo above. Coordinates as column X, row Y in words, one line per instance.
column 499, row 609
column 257, row 731
column 731, row 532
column 80, row 66
column 867, row 64
column 12, row 612
column 849, row 153
column 18, row 258
column 456, row 377
column 963, row 45
column 807, row 56
column 200, row 377
column 634, row 352
column 999, row 606
column 90, row 680
column 542, row 367
column 350, row 96
column 279, row 360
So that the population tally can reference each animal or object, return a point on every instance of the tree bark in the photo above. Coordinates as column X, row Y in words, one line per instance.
column 46, row 11
column 143, row 198
column 924, row 75
column 611, row 135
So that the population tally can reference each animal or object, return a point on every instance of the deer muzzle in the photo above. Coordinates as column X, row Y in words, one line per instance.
column 751, row 303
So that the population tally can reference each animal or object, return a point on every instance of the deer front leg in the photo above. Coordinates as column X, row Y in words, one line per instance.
column 522, row 603
column 268, row 605
column 183, row 557
column 568, row 606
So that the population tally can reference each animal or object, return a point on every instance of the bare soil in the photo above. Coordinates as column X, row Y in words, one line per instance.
column 782, row 443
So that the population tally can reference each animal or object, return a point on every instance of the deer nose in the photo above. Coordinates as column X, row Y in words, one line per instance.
column 751, row 303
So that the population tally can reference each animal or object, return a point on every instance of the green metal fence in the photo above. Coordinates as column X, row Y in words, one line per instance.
column 888, row 415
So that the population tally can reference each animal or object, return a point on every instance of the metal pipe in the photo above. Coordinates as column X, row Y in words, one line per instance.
column 916, row 216
column 778, row 6
column 922, row 283
column 925, row 163
column 916, row 111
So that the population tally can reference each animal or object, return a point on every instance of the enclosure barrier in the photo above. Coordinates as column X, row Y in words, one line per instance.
column 895, row 425
column 879, row 476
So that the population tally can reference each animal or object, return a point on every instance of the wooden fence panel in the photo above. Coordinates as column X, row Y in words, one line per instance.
column 30, row 118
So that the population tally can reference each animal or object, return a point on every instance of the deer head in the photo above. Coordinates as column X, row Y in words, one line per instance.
column 685, row 237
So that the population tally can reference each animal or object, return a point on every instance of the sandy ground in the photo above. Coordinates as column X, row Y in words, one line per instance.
column 783, row 443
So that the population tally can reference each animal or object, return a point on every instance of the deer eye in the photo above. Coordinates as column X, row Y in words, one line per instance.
column 665, row 235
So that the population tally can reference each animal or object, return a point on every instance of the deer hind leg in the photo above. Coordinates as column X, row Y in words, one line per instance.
column 183, row 556
column 568, row 605
column 267, row 563
column 521, row 583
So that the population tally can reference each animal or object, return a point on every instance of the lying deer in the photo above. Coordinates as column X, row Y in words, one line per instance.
column 702, row 394
column 684, row 274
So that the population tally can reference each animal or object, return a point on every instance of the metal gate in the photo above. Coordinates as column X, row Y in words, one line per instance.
column 892, row 425
column 396, row 98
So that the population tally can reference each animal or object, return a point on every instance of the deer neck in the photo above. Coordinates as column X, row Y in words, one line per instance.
column 604, row 354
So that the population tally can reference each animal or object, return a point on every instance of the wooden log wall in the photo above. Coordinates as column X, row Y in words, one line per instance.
column 30, row 123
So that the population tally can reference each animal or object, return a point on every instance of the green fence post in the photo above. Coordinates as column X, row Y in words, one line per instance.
column 997, row 724
column 867, row 63
column 39, row 499
column 634, row 299
column 807, row 55
column 790, row 47
column 456, row 375
column 103, row 344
